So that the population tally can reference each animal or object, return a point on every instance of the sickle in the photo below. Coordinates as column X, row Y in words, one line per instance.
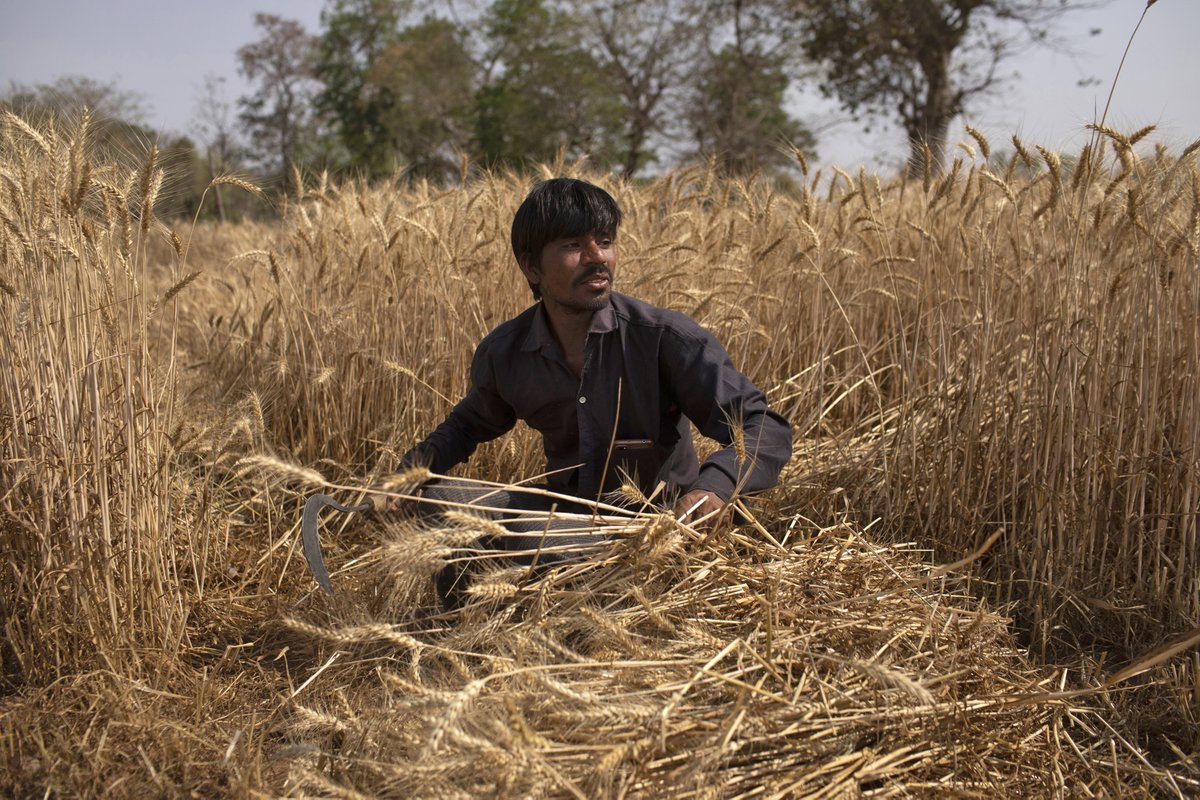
column 312, row 542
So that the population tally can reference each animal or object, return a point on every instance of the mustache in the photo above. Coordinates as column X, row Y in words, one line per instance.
column 593, row 272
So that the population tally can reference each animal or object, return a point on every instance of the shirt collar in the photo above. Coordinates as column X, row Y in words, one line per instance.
column 540, row 335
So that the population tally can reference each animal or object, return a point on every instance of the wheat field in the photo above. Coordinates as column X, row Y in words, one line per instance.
column 978, row 576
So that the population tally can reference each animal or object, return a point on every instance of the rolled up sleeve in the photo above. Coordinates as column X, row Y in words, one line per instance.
column 719, row 399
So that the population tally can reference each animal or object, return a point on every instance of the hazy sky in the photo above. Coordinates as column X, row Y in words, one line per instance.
column 164, row 49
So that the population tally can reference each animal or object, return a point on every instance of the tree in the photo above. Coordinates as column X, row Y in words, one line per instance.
column 922, row 61
column 118, row 116
column 737, row 108
column 355, row 34
column 70, row 94
column 542, row 91
column 214, row 124
column 648, row 48
column 184, row 180
column 430, row 80
column 739, row 117
column 277, row 115
column 117, row 133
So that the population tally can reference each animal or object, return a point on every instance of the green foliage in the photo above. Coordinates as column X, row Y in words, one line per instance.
column 738, row 115
column 184, row 181
column 430, row 79
column 68, row 94
column 355, row 34
column 548, row 94
column 527, row 81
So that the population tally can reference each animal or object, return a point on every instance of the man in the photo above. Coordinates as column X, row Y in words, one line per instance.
column 609, row 381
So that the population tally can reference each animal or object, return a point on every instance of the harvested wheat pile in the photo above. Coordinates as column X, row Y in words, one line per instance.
column 685, row 665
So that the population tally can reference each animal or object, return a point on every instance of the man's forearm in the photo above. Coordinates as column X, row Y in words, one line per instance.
column 755, row 465
column 448, row 446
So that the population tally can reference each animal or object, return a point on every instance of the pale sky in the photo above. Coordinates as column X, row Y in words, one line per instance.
column 164, row 49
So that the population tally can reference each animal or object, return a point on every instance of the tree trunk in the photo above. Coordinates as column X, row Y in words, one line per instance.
column 212, row 172
column 635, row 141
column 930, row 123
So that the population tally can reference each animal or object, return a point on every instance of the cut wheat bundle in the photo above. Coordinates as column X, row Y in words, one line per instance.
column 714, row 668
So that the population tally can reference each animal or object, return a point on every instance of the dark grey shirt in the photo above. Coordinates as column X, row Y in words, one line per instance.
column 647, row 371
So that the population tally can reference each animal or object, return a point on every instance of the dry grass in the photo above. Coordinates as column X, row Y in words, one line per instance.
column 988, row 353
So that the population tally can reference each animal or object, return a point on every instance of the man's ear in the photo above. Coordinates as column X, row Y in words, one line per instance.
column 530, row 269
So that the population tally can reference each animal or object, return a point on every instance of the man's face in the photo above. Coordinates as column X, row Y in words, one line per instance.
column 575, row 274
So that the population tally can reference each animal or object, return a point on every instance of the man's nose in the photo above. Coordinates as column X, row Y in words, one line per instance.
column 592, row 250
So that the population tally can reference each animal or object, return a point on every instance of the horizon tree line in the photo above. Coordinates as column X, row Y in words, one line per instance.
column 631, row 85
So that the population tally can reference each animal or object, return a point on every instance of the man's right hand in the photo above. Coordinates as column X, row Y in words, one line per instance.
column 385, row 493
column 383, row 502
column 700, row 508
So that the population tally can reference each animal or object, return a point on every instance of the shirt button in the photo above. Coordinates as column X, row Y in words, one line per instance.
column 583, row 399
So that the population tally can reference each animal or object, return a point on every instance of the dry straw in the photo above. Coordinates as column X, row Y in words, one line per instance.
column 582, row 680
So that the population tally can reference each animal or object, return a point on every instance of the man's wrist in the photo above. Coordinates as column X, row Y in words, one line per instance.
column 716, row 482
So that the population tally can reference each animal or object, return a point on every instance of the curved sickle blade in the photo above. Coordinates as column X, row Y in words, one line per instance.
column 309, row 523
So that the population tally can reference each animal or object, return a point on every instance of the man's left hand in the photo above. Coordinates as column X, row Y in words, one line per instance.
column 708, row 509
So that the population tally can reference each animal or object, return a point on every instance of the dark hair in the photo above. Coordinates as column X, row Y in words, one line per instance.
column 558, row 208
